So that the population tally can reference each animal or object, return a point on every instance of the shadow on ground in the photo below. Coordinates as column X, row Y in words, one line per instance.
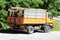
column 8, row 31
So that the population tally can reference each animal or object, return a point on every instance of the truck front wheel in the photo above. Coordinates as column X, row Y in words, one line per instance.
column 45, row 28
column 30, row 29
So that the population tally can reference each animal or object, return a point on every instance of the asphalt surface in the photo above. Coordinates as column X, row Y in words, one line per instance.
column 55, row 18
column 55, row 35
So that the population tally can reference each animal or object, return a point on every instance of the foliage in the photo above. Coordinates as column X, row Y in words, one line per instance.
column 2, row 4
column 3, row 15
column 4, row 25
column 56, row 25
column 52, row 6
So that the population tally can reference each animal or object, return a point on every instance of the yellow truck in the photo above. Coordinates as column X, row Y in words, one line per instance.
column 29, row 20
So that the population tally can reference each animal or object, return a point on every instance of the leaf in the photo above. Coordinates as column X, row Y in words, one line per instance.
column 4, row 25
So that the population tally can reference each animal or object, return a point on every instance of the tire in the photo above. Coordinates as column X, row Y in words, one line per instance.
column 46, row 28
column 30, row 29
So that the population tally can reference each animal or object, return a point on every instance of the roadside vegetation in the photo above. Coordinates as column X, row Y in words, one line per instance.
column 56, row 25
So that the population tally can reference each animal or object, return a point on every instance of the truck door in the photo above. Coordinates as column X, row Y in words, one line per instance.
column 18, row 17
column 10, row 18
column 50, row 17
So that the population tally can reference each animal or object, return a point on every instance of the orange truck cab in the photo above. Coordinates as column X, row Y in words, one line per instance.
column 28, row 20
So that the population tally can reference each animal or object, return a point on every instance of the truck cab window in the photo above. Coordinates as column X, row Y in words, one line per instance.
column 10, row 13
column 15, row 14
column 50, row 16
column 20, row 14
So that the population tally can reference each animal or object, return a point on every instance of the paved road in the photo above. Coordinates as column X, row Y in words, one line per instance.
column 35, row 36
column 56, row 18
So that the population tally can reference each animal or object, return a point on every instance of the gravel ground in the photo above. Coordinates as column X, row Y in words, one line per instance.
column 55, row 35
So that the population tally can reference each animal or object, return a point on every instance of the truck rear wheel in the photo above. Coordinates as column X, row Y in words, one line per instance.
column 30, row 29
column 45, row 28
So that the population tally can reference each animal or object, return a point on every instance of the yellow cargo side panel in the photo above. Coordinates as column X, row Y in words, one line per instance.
column 34, row 21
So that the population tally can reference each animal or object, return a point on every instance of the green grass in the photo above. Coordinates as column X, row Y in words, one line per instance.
column 56, row 25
